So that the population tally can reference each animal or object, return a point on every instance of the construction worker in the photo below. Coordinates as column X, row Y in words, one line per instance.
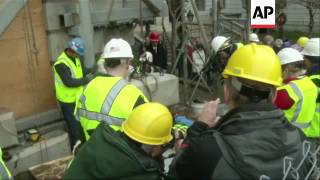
column 252, row 139
column 302, row 41
column 4, row 172
column 158, row 51
column 268, row 40
column 69, row 80
column 311, row 54
column 297, row 97
column 220, row 43
column 253, row 38
column 277, row 45
column 132, row 154
column 223, row 48
column 198, row 57
column 109, row 97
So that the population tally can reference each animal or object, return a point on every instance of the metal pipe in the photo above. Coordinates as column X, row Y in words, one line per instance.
column 214, row 16
column 140, row 18
column 86, row 32
column 202, row 31
column 183, row 46
column 248, row 29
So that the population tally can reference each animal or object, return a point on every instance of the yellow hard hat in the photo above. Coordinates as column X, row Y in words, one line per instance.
column 255, row 62
column 149, row 123
column 302, row 41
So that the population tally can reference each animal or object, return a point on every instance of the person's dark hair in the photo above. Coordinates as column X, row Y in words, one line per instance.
column 294, row 67
column 313, row 59
column 199, row 46
column 112, row 62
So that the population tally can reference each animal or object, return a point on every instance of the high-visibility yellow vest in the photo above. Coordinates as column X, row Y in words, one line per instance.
column 314, row 130
column 4, row 172
column 63, row 93
column 108, row 99
column 303, row 92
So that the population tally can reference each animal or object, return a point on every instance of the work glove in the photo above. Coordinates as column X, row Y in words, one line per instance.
column 89, row 77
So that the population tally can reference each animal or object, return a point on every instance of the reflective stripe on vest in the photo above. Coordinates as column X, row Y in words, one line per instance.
column 100, row 117
column 299, row 104
column 83, row 100
column 113, row 93
column 303, row 93
column 106, row 107
column 4, row 172
column 298, row 108
column 301, row 125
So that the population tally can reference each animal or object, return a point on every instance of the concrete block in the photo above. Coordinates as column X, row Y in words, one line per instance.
column 162, row 88
column 8, row 131
column 55, row 145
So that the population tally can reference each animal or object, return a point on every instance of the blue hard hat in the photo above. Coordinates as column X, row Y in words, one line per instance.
column 77, row 45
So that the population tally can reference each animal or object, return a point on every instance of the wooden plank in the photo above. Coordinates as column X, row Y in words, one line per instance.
column 54, row 169
column 26, row 89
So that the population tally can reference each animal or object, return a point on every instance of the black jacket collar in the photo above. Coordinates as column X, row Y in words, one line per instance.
column 250, row 117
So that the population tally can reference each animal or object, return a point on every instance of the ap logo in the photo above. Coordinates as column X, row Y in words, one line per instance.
column 262, row 13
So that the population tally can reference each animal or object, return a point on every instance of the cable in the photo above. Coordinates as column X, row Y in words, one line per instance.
column 34, row 45
column 31, row 69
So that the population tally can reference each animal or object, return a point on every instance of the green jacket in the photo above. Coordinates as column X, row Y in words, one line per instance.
column 110, row 155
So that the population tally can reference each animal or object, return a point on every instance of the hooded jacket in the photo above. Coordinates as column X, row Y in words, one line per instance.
column 110, row 155
column 251, row 141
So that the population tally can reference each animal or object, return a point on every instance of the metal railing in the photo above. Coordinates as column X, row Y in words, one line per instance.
column 310, row 155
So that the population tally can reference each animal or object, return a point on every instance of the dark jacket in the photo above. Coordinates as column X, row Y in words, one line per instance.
column 110, row 155
column 250, row 141
column 159, row 56
column 314, row 70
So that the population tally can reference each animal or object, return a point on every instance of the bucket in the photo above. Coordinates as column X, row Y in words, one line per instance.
column 197, row 107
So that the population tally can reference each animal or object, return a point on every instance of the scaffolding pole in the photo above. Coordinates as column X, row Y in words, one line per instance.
column 214, row 17
column 248, row 29
column 202, row 31
column 184, row 56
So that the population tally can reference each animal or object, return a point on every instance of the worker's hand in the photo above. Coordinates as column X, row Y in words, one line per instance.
column 209, row 113
column 90, row 76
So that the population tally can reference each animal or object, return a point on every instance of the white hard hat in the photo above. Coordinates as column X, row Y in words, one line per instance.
column 254, row 37
column 217, row 42
column 312, row 47
column 289, row 55
column 117, row 48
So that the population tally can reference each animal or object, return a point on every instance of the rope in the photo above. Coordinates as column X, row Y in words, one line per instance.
column 144, row 81
column 32, row 47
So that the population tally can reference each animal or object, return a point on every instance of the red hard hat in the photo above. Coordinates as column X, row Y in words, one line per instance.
column 154, row 37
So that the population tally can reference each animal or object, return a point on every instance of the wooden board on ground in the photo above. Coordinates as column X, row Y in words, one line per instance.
column 51, row 170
